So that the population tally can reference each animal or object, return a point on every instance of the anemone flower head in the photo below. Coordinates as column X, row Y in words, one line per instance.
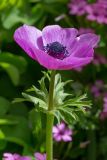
column 62, row 133
column 15, row 156
column 57, row 48
column 40, row 156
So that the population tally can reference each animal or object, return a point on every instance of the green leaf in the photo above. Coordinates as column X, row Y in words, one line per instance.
column 39, row 93
column 16, row 133
column 69, row 112
column 7, row 122
column 19, row 100
column 59, row 94
column 77, row 102
column 37, row 10
column 10, row 18
column 4, row 106
column 66, row 117
column 3, row 144
column 5, row 4
column 18, row 109
column 12, row 71
column 35, row 100
column 17, row 61
column 2, row 136
column 57, row 115
column 42, row 84
column 13, row 65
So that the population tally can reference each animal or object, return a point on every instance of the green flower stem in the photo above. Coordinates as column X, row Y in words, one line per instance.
column 50, row 120
column 49, row 139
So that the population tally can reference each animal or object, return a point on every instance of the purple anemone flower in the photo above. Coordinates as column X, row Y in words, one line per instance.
column 15, row 156
column 62, row 133
column 40, row 156
column 57, row 48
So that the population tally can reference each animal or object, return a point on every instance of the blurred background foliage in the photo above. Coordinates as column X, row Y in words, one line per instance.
column 20, row 124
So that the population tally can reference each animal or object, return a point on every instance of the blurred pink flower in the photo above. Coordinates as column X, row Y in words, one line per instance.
column 40, row 156
column 85, row 30
column 15, row 156
column 97, row 88
column 77, row 7
column 99, row 59
column 103, row 114
column 62, row 133
column 103, row 3
column 57, row 48
column 97, row 11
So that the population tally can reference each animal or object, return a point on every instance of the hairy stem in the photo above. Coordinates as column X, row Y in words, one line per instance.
column 50, row 120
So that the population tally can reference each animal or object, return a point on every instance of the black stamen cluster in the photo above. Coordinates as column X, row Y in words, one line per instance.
column 56, row 50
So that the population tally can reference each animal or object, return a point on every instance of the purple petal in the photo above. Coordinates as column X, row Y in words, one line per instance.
column 91, row 17
column 105, row 99
column 40, row 156
column 61, row 126
column 25, row 158
column 78, row 62
column 68, row 63
column 69, row 36
column 16, row 156
column 55, row 129
column 8, row 156
column 57, row 137
column 89, row 38
column 55, row 33
column 51, row 34
column 81, row 50
column 29, row 38
column 66, row 138
column 68, row 132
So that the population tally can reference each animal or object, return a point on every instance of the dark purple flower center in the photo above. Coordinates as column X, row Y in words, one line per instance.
column 56, row 50
column 61, row 132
